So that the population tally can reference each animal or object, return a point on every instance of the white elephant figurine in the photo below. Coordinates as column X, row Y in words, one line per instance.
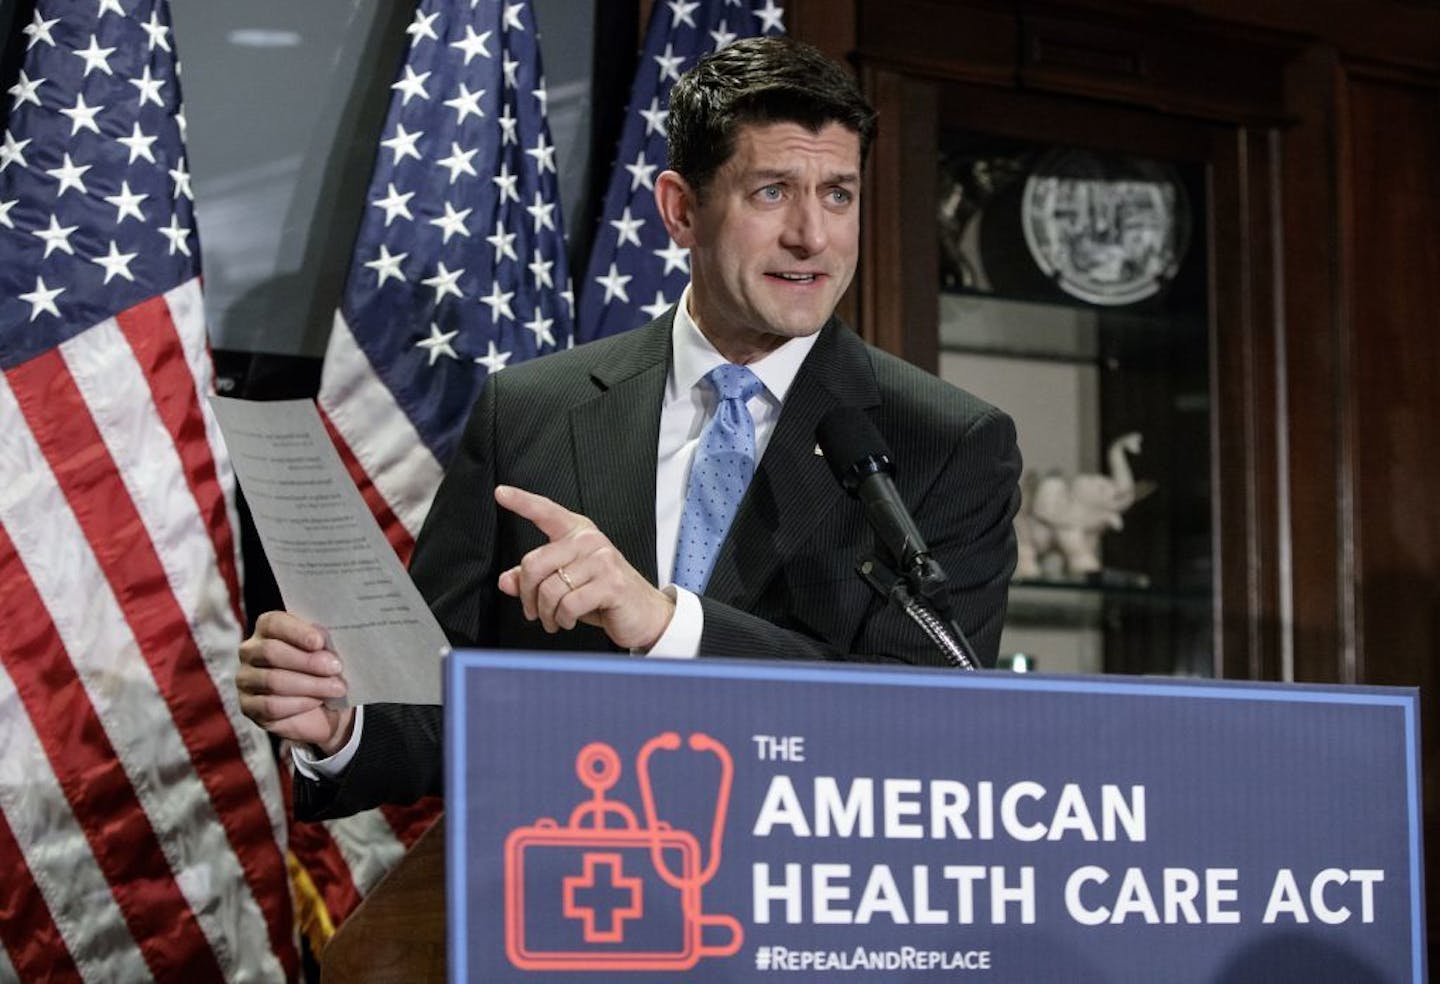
column 1067, row 515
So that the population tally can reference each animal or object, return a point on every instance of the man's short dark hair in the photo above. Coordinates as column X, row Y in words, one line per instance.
column 757, row 80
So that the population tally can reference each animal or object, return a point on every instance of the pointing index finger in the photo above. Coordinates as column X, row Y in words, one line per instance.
column 549, row 517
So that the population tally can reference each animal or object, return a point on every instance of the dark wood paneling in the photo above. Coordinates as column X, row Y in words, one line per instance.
column 1169, row 68
column 1395, row 31
column 900, row 261
column 973, row 42
column 1094, row 49
column 1323, row 630
column 1061, row 120
column 828, row 25
column 1395, row 318
column 1394, row 305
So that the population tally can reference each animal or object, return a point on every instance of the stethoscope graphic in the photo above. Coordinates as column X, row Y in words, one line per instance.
column 599, row 827
column 701, row 743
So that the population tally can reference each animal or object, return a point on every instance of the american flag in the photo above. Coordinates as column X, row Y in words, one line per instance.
column 459, row 266
column 636, row 271
column 459, row 270
column 142, row 832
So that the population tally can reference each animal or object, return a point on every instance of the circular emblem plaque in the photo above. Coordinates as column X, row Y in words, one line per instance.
column 1108, row 231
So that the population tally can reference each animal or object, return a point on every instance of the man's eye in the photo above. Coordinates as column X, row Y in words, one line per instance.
column 770, row 193
column 840, row 196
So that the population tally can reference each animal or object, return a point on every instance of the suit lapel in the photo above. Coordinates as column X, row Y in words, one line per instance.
column 615, row 438
column 793, row 488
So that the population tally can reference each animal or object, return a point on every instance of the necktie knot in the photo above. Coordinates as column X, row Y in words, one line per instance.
column 734, row 382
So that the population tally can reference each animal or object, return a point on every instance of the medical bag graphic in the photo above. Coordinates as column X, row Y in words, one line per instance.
column 603, row 892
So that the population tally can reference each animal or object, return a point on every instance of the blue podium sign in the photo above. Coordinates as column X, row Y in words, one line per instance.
column 621, row 819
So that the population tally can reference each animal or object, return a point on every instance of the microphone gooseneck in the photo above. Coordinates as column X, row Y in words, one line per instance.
column 860, row 460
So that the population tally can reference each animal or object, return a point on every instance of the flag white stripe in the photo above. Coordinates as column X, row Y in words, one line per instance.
column 405, row 474
column 198, row 586
column 187, row 311
column 369, row 846
column 64, row 868
column 105, row 653
column 118, row 397
column 386, row 444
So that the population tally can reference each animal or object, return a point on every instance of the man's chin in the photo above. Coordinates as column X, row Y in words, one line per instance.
column 794, row 320
column 785, row 331
column 803, row 327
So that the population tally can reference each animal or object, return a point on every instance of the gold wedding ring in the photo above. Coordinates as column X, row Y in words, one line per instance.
column 569, row 584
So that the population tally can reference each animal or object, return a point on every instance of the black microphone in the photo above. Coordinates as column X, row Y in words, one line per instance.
column 860, row 459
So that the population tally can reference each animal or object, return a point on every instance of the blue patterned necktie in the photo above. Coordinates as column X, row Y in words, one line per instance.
column 724, row 462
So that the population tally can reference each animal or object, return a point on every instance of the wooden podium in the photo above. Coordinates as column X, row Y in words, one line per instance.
column 397, row 934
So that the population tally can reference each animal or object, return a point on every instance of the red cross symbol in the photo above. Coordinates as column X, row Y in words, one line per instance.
column 574, row 885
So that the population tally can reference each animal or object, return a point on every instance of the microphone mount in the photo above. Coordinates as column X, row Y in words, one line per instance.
column 915, row 593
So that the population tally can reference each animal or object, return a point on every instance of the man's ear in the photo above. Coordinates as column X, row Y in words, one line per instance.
column 676, row 203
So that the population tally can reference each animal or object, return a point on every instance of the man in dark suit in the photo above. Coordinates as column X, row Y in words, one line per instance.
column 574, row 492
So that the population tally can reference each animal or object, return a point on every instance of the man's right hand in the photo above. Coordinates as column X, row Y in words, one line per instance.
column 286, row 674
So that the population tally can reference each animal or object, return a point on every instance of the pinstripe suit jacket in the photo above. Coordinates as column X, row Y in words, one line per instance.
column 581, row 427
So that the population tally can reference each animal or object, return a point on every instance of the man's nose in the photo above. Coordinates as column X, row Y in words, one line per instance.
column 805, row 232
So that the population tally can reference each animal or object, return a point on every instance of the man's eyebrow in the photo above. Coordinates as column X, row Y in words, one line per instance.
column 782, row 174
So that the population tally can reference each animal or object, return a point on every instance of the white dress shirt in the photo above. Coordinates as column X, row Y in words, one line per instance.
column 687, row 407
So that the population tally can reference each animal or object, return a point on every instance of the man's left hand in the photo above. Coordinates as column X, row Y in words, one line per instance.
column 580, row 576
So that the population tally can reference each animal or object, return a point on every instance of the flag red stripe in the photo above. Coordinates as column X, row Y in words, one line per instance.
column 312, row 844
column 399, row 537
column 57, row 415
column 151, row 333
column 85, row 765
column 27, row 930
column 317, row 851
column 409, row 822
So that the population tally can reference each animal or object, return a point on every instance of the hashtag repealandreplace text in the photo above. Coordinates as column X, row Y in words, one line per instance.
column 861, row 958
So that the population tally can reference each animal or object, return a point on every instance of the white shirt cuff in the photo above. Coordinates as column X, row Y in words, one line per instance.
column 332, row 767
column 681, row 638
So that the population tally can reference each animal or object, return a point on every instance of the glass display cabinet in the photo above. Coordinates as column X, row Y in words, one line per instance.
column 1071, row 296
column 1087, row 242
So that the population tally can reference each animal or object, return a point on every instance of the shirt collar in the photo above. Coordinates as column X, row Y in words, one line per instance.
column 694, row 357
